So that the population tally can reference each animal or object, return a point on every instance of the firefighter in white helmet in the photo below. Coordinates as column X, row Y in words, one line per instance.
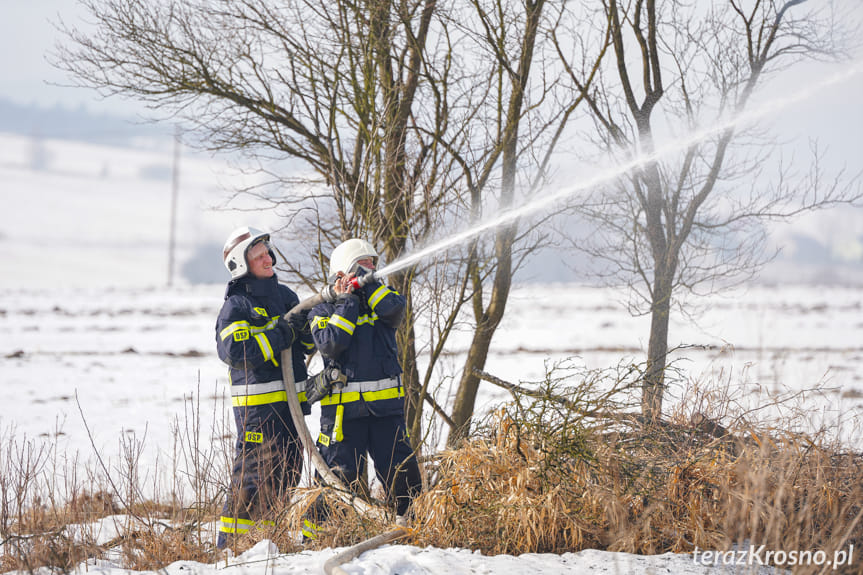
column 357, row 334
column 252, row 330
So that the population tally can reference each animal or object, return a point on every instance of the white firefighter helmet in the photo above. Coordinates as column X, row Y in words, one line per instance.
column 346, row 255
column 237, row 246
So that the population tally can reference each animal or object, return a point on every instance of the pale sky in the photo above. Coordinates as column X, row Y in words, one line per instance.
column 27, row 35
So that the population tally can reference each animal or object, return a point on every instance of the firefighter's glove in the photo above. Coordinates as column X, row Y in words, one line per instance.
column 291, row 325
column 321, row 385
column 299, row 320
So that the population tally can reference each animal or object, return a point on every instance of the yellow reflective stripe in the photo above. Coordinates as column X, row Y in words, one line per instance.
column 337, row 426
column 240, row 326
column 338, row 398
column 235, row 525
column 308, row 345
column 266, row 348
column 264, row 344
column 258, row 388
column 237, row 520
column 378, row 295
column 264, row 398
column 375, row 385
column 264, row 393
column 343, row 323
column 348, row 397
column 367, row 319
column 391, row 393
column 260, row 399
column 310, row 530
column 236, row 326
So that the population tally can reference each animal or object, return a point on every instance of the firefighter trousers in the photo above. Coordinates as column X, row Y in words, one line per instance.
column 267, row 464
column 386, row 440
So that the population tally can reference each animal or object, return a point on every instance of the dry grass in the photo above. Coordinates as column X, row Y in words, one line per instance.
column 55, row 510
column 63, row 536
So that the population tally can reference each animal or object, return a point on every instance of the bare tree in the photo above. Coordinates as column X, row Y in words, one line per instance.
column 404, row 118
column 333, row 85
column 515, row 40
column 696, row 222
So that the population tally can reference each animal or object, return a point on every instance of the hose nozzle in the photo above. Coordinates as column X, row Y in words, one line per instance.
column 329, row 294
column 359, row 281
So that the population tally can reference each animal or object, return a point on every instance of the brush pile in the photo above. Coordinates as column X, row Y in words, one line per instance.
column 574, row 467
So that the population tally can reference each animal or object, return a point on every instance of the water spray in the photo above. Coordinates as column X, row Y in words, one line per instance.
column 537, row 204
column 359, row 281
column 372, row 509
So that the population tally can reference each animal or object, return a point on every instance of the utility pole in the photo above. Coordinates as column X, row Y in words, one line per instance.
column 175, row 188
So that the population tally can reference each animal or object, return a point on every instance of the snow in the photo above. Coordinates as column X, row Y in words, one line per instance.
column 410, row 560
column 93, row 347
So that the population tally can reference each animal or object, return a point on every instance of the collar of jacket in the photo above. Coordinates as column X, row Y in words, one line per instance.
column 253, row 286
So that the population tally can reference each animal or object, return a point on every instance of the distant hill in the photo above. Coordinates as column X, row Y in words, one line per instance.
column 77, row 124
column 67, row 188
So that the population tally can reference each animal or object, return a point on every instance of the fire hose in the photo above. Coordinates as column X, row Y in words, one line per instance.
column 333, row 565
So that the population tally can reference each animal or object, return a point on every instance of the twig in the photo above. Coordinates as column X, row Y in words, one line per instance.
column 572, row 406
column 513, row 388
column 439, row 410
column 102, row 463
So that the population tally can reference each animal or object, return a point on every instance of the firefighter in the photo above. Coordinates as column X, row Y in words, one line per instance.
column 357, row 334
column 252, row 330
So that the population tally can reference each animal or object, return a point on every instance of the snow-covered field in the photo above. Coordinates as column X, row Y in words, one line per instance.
column 93, row 347
column 129, row 360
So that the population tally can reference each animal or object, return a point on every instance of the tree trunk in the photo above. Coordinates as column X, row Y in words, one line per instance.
column 410, row 370
column 653, row 384
column 488, row 320
column 469, row 385
column 663, row 272
column 399, row 87
column 487, row 323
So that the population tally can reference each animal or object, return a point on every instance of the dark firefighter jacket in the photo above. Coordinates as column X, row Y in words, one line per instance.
column 357, row 334
column 248, row 340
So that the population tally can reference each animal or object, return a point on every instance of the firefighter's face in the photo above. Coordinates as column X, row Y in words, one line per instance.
column 260, row 262
column 368, row 263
